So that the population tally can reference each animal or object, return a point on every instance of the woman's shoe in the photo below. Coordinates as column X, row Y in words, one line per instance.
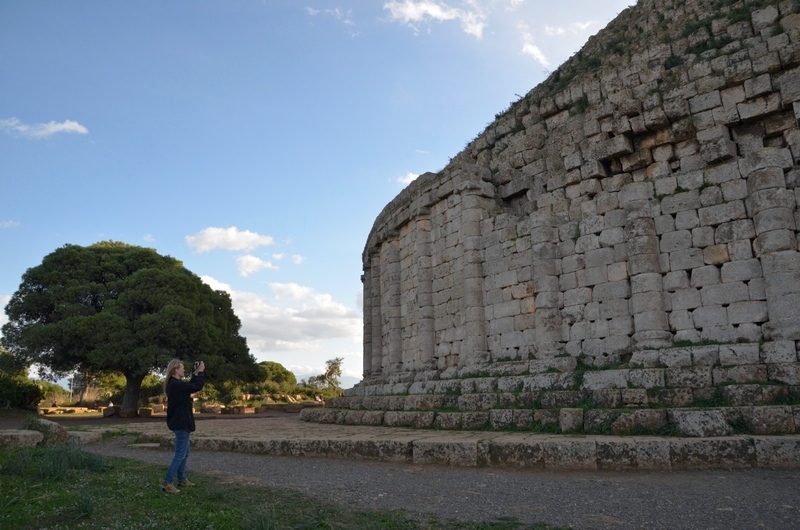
column 169, row 488
column 186, row 484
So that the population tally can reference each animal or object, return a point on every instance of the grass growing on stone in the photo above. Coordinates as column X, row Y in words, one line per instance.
column 63, row 488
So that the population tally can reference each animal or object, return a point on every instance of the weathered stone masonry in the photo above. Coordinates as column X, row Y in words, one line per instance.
column 623, row 237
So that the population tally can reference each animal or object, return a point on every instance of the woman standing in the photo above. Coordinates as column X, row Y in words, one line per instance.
column 180, row 418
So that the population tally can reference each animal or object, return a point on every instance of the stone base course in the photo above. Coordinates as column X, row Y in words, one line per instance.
column 285, row 435
column 535, row 451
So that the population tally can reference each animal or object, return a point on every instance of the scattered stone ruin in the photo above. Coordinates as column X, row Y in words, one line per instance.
column 616, row 253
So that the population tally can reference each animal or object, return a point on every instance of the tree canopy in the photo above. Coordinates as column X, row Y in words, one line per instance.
column 272, row 371
column 117, row 307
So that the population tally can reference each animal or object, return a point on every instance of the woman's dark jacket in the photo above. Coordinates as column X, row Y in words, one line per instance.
column 180, row 416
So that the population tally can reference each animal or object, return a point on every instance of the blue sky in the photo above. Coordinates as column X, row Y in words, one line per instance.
column 254, row 140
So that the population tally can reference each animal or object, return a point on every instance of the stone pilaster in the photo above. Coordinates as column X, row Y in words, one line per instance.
column 366, row 281
column 646, row 304
column 376, row 361
column 474, row 210
column 772, row 208
column 548, row 298
column 390, row 307
column 426, row 340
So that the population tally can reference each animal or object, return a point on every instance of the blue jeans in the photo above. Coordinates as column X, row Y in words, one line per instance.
column 178, row 465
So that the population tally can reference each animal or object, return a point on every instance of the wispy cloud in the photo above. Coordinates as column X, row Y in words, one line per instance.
column 8, row 224
column 408, row 178
column 227, row 238
column 573, row 29
column 529, row 48
column 149, row 238
column 297, row 259
column 279, row 256
column 248, row 265
column 414, row 12
column 298, row 319
column 40, row 130
column 341, row 16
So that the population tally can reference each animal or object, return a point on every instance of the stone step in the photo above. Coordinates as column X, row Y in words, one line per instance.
column 692, row 422
column 698, row 395
column 523, row 450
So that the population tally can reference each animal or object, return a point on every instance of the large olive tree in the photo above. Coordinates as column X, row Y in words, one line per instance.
column 118, row 307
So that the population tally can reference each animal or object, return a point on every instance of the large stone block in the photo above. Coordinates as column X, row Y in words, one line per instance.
column 783, row 351
column 769, row 420
column 738, row 354
column 570, row 454
column 740, row 374
column 13, row 438
column 721, row 213
column 787, row 373
column 688, row 377
column 605, row 379
column 700, row 423
column 726, row 452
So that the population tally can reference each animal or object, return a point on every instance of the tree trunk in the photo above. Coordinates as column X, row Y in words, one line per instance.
column 86, row 382
column 133, row 384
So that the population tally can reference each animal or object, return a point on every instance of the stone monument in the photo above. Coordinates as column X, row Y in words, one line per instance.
column 616, row 252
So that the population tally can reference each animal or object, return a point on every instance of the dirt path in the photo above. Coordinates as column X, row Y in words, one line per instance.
column 732, row 500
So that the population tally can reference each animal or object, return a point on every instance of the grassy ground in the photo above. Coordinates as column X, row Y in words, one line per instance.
column 66, row 488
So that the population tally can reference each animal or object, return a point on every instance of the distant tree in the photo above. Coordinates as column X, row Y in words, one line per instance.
column 272, row 371
column 17, row 391
column 329, row 378
column 53, row 392
column 117, row 307
column 333, row 371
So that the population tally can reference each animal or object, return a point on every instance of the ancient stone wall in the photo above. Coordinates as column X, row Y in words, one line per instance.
column 629, row 226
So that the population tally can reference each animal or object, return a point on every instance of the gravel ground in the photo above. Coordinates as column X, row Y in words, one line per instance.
column 745, row 499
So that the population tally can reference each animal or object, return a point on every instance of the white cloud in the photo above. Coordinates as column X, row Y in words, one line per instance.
column 40, row 130
column 573, row 29
column 297, row 259
column 408, row 178
column 279, row 256
column 149, row 238
column 529, row 48
column 311, row 11
column 4, row 300
column 413, row 12
column 248, row 264
column 303, row 319
column 227, row 238
column 9, row 224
